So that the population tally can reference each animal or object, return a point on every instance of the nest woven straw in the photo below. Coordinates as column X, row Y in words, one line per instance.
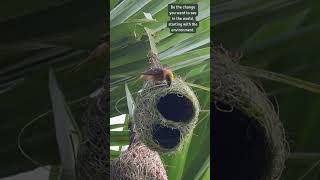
column 137, row 162
column 93, row 160
column 149, row 119
column 233, row 92
column 165, row 115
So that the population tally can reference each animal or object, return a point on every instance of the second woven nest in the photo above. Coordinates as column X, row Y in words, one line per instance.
column 248, row 137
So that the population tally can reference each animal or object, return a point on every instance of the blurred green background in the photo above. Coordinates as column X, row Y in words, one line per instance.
column 281, row 36
column 35, row 35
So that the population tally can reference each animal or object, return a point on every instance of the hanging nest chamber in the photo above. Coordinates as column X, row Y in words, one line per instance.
column 165, row 115
column 137, row 162
column 248, row 137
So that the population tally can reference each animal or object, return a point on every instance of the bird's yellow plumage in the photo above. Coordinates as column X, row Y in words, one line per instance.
column 171, row 77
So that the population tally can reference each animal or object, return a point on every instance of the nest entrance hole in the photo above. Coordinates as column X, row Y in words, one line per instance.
column 176, row 107
column 239, row 145
column 166, row 137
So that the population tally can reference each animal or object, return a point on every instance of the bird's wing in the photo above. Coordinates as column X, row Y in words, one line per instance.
column 154, row 71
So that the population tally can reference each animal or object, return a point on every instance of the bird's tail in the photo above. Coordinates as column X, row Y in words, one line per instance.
column 77, row 67
column 146, row 77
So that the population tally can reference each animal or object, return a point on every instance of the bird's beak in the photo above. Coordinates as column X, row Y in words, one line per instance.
column 168, row 79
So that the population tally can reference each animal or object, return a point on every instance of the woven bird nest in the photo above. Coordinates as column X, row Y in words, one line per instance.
column 248, row 137
column 165, row 115
column 93, row 160
column 137, row 162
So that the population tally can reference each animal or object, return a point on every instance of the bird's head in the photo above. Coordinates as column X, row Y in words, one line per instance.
column 168, row 76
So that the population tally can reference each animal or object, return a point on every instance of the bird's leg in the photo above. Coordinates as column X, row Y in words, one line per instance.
column 236, row 56
column 158, row 83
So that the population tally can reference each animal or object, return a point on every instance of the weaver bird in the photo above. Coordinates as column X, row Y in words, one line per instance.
column 99, row 53
column 158, row 74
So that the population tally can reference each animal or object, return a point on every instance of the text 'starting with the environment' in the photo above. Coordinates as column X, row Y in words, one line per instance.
column 182, row 18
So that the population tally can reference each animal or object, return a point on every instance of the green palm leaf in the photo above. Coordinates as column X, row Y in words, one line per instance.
column 281, row 41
